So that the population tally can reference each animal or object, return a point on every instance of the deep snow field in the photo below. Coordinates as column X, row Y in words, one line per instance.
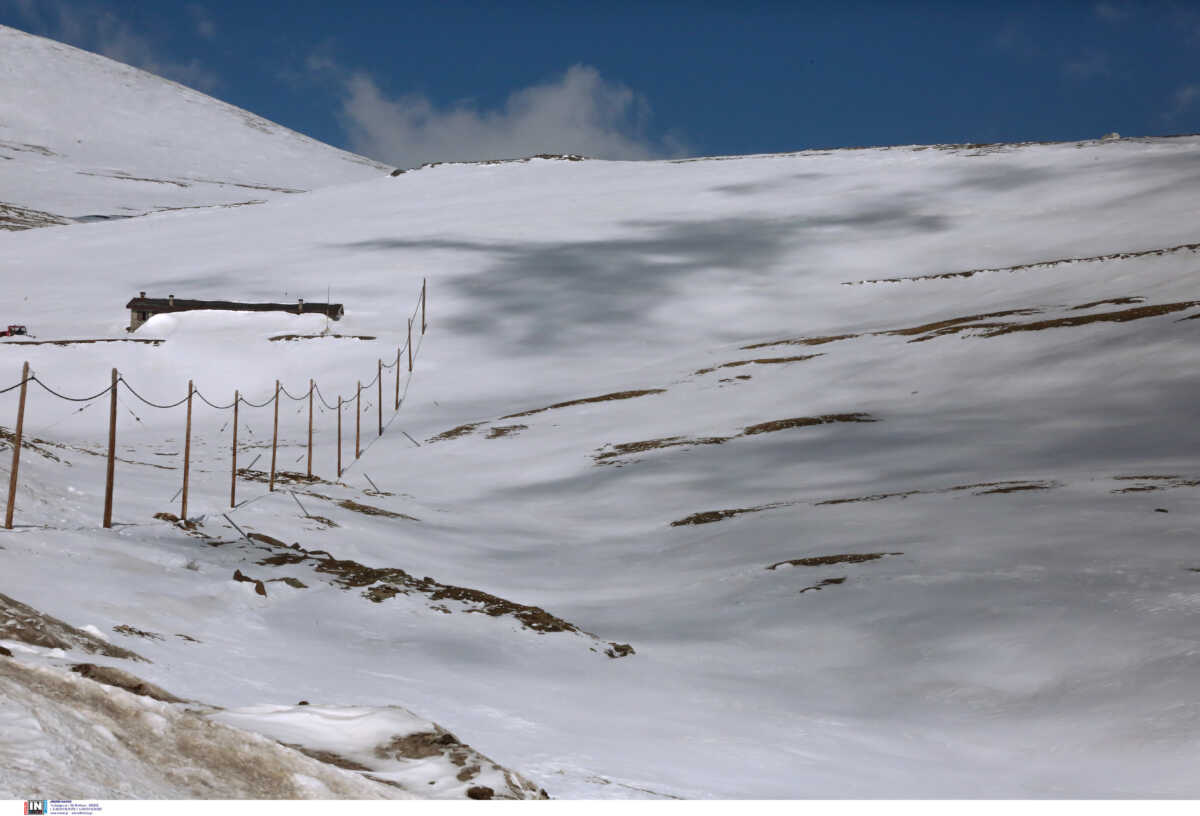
column 871, row 528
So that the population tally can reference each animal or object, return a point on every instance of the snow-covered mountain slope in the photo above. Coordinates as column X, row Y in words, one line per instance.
column 84, row 740
column 678, row 503
column 82, row 136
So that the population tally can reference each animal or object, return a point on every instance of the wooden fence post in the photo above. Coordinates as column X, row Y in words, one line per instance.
column 339, row 436
column 397, row 379
column 187, row 454
column 233, row 478
column 16, row 460
column 112, row 452
column 274, row 438
column 380, row 400
column 310, row 398
column 423, row 286
column 358, row 420
column 410, row 345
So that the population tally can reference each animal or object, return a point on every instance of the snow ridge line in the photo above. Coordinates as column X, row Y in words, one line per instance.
column 28, row 376
column 1115, row 256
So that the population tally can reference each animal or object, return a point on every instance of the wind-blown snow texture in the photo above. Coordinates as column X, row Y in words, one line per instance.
column 864, row 539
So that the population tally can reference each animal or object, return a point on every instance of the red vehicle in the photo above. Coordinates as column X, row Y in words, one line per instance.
column 13, row 331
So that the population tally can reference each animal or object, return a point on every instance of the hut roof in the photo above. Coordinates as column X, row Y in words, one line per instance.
column 160, row 305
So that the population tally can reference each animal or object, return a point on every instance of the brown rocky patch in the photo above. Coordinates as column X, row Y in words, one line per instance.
column 417, row 746
column 801, row 341
column 497, row 431
column 617, row 395
column 130, row 631
column 619, row 649
column 455, row 433
column 369, row 510
column 710, row 516
column 381, row 592
column 380, row 584
column 956, row 324
column 330, row 758
column 38, row 446
column 387, row 582
column 623, row 449
column 282, row 559
column 827, row 560
column 287, row 477
column 124, row 680
column 1014, row 489
column 1154, row 483
column 266, row 539
column 611, row 453
column 259, row 586
column 981, row 488
column 1120, row 316
column 294, row 583
column 823, row 584
column 174, row 519
column 1008, row 486
column 800, row 422
column 15, row 218
column 1121, row 301
column 872, row 498
column 27, row 625
column 759, row 361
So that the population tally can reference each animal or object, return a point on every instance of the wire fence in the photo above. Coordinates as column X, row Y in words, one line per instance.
column 313, row 391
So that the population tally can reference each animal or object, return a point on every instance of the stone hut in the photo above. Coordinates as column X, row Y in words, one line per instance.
column 142, row 308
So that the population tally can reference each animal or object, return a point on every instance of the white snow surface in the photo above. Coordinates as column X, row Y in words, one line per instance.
column 82, row 136
column 1027, row 629
column 372, row 738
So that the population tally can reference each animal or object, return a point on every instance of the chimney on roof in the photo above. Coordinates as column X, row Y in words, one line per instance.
column 170, row 300
column 142, row 295
column 300, row 306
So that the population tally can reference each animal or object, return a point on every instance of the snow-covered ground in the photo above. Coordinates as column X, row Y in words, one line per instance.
column 907, row 538
column 84, row 137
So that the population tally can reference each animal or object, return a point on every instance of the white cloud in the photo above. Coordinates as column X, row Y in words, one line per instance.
column 1184, row 99
column 98, row 29
column 581, row 112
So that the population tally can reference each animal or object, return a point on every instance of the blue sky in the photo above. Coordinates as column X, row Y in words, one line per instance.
column 413, row 82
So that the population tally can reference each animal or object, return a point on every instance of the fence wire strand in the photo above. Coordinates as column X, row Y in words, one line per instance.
column 247, row 402
column 18, row 385
column 70, row 399
column 122, row 381
column 321, row 397
column 289, row 395
column 210, row 405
